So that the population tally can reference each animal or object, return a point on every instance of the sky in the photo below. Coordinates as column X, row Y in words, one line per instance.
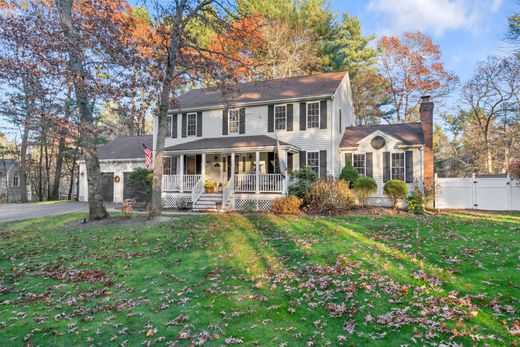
column 467, row 31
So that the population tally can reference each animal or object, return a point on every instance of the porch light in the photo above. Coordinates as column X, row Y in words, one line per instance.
column 216, row 157
column 250, row 156
column 217, row 165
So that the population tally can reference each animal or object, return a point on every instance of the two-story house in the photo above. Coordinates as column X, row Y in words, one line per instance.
column 249, row 138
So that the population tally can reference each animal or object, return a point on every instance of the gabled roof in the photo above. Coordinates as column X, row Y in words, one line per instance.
column 406, row 133
column 5, row 164
column 260, row 91
column 227, row 142
column 128, row 147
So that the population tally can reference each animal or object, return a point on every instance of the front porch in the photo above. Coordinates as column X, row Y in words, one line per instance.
column 244, row 178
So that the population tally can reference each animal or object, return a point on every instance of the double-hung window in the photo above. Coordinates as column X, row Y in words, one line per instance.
column 192, row 124
column 169, row 126
column 16, row 181
column 313, row 114
column 358, row 162
column 313, row 161
column 398, row 167
column 167, row 166
column 280, row 117
column 234, row 121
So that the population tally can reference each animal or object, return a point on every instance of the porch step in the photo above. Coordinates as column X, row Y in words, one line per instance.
column 207, row 202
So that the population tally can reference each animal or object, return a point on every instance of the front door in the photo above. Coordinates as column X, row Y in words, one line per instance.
column 191, row 165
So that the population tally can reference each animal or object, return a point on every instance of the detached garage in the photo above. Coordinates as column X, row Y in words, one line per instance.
column 117, row 159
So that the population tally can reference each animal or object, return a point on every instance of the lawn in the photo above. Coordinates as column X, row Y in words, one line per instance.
column 262, row 280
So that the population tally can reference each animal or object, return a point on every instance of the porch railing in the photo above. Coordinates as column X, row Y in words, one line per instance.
column 227, row 191
column 268, row 183
column 198, row 188
column 172, row 183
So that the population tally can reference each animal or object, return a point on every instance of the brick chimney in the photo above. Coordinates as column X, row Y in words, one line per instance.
column 426, row 110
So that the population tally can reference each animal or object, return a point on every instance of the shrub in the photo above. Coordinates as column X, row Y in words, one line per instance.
column 329, row 196
column 349, row 174
column 287, row 205
column 416, row 201
column 514, row 170
column 300, row 183
column 364, row 187
column 395, row 190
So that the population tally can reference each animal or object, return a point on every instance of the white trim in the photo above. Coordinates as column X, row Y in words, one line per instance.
column 307, row 160
column 307, row 114
column 229, row 121
column 256, row 103
column 289, row 148
column 188, row 124
column 274, row 111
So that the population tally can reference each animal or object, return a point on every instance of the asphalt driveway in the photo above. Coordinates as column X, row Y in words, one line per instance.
column 12, row 212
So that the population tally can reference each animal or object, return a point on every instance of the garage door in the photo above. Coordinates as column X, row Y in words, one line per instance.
column 108, row 186
column 134, row 191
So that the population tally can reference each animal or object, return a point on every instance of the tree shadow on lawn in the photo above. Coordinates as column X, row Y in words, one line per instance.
column 428, row 287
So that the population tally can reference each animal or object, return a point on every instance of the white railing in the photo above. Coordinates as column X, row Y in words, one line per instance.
column 245, row 182
column 198, row 188
column 227, row 191
column 271, row 183
column 173, row 183
column 268, row 183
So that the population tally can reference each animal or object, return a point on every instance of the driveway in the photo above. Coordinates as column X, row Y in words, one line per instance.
column 12, row 212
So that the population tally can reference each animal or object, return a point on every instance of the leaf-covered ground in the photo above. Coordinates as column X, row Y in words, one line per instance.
column 262, row 280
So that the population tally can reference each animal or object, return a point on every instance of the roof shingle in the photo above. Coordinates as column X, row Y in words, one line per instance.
column 260, row 91
column 227, row 142
column 128, row 147
column 407, row 133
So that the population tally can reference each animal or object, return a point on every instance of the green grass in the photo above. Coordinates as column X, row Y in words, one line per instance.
column 263, row 280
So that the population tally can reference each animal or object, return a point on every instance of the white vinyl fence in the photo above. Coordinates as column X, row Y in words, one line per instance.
column 481, row 193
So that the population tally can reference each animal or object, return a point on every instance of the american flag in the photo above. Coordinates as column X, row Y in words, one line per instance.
column 148, row 155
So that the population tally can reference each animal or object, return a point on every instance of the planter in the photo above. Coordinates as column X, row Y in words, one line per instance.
column 208, row 190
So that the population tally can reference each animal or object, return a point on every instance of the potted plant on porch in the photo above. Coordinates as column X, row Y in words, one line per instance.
column 209, row 185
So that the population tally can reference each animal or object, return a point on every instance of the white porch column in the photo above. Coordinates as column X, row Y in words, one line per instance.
column 257, row 173
column 286, row 179
column 203, row 166
column 181, row 173
column 233, row 167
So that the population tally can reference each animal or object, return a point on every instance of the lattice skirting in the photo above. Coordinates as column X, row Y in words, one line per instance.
column 253, row 203
column 176, row 200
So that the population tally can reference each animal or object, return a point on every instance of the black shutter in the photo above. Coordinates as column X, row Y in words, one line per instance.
column 174, row 166
column 409, row 166
column 198, row 164
column 184, row 121
column 303, row 116
column 303, row 159
column 323, row 114
column 290, row 117
column 348, row 158
column 386, row 166
column 270, row 118
column 270, row 160
column 224, row 121
column 323, row 164
column 199, row 124
column 174, row 126
column 290, row 162
column 369, row 165
column 242, row 121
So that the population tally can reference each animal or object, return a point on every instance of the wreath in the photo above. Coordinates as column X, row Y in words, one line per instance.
column 117, row 179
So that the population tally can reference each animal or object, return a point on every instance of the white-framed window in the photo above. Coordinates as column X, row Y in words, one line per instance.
column 359, row 163
column 280, row 117
column 234, row 121
column 169, row 126
column 192, row 124
column 16, row 181
column 313, row 114
column 313, row 161
column 397, row 166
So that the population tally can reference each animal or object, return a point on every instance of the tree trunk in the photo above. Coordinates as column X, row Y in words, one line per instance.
column 59, row 166
column 29, row 105
column 97, row 208
column 40, row 174
column 156, row 203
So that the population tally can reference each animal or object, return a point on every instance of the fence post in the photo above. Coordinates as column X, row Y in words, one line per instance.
column 474, row 191
column 509, row 183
